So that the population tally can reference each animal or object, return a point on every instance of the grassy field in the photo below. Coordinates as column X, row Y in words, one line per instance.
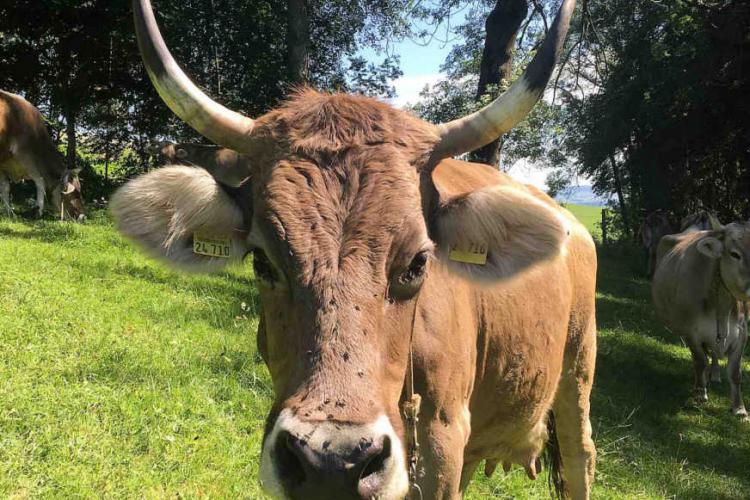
column 120, row 378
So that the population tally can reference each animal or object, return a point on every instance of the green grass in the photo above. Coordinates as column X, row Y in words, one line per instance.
column 120, row 378
column 591, row 217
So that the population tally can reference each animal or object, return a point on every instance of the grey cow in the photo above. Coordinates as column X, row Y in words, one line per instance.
column 701, row 290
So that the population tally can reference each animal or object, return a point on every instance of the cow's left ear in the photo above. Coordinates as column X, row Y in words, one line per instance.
column 494, row 232
column 182, row 216
column 711, row 247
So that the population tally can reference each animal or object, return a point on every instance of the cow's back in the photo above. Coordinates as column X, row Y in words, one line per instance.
column 516, row 331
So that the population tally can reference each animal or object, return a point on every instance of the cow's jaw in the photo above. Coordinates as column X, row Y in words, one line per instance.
column 292, row 439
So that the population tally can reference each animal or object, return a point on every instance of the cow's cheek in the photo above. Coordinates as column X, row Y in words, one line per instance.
column 281, row 345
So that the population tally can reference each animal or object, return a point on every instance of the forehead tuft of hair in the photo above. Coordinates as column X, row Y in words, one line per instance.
column 313, row 122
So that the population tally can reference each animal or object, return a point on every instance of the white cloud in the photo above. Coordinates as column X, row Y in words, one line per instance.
column 529, row 173
column 409, row 87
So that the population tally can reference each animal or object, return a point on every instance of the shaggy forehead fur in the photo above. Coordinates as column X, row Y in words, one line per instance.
column 335, row 222
column 312, row 123
column 341, row 183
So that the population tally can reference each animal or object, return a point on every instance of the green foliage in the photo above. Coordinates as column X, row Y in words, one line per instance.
column 79, row 63
column 670, row 104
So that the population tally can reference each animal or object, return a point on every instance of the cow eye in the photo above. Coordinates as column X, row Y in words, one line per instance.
column 735, row 255
column 406, row 284
column 263, row 268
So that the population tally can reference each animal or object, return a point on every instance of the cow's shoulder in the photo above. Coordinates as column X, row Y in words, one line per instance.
column 454, row 178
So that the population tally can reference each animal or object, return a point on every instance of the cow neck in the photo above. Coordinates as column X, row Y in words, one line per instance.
column 719, row 288
column 411, row 407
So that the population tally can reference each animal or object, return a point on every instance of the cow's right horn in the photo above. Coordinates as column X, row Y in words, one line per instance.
column 212, row 120
column 714, row 221
column 484, row 126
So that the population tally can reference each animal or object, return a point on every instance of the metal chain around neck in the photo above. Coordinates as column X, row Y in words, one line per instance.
column 411, row 407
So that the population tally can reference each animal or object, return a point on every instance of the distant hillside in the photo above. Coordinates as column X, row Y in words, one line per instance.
column 581, row 195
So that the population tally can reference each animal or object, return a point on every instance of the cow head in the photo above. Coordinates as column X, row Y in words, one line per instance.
column 655, row 225
column 730, row 245
column 345, row 226
column 71, row 197
column 170, row 152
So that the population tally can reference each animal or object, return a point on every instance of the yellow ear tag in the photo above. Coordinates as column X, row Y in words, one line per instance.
column 470, row 254
column 212, row 247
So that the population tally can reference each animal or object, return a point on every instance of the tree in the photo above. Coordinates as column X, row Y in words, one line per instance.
column 496, row 66
column 79, row 62
column 666, row 124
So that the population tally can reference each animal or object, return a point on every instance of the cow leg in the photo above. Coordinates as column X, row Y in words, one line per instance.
column 715, row 369
column 734, row 369
column 700, row 365
column 444, row 460
column 5, row 194
column 466, row 476
column 571, row 409
column 39, row 209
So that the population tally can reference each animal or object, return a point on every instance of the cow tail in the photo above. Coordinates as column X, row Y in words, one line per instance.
column 553, row 460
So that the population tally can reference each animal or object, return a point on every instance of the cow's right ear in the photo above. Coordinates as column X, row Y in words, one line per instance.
column 182, row 216
column 711, row 247
column 494, row 232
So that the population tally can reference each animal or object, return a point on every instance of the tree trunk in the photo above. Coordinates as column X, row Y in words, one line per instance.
column 620, row 195
column 502, row 28
column 297, row 40
column 70, row 131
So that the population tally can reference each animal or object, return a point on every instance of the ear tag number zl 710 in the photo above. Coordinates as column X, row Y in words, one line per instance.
column 212, row 247
column 472, row 253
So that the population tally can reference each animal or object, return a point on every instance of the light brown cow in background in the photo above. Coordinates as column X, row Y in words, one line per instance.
column 700, row 290
column 376, row 257
column 27, row 152
column 225, row 165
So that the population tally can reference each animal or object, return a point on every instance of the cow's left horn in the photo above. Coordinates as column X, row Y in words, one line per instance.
column 211, row 119
column 484, row 126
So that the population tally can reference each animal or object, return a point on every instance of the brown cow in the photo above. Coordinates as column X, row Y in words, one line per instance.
column 27, row 152
column 371, row 250
column 226, row 166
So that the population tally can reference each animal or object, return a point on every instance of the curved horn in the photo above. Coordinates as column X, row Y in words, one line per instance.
column 484, row 126
column 714, row 222
column 209, row 118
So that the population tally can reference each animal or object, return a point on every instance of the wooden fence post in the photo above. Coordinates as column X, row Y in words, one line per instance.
column 605, row 228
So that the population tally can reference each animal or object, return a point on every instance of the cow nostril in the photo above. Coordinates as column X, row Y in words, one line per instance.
column 370, row 478
column 289, row 456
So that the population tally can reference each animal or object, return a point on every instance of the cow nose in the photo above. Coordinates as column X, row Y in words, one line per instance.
column 346, row 470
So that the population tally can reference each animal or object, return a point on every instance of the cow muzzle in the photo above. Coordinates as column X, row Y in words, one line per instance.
column 323, row 460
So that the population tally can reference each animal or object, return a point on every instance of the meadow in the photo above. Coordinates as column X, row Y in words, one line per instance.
column 120, row 378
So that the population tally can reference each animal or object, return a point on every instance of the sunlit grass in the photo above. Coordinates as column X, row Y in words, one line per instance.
column 121, row 378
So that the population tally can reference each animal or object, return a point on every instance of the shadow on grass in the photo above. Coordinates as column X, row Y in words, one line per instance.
column 642, row 385
column 47, row 232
